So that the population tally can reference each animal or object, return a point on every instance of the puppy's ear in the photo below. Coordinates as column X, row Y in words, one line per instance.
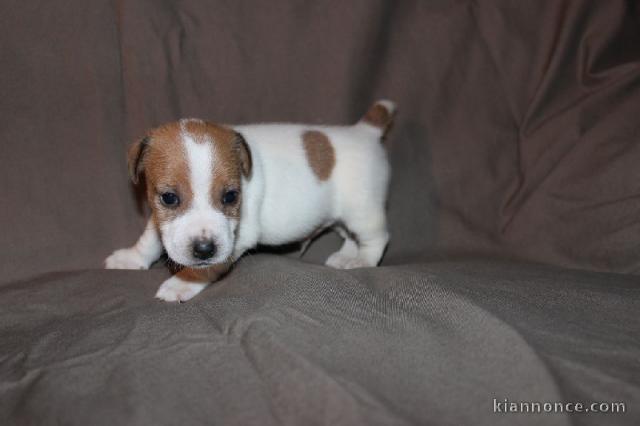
column 135, row 158
column 244, row 154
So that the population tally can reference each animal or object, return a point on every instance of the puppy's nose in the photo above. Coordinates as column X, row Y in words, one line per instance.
column 203, row 249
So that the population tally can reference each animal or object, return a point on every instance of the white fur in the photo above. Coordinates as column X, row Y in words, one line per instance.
column 283, row 201
column 278, row 209
column 175, row 289
column 146, row 251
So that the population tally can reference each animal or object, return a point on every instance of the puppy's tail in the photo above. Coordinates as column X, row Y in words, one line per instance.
column 380, row 116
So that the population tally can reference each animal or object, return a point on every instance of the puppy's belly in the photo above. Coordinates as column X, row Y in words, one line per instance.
column 284, row 223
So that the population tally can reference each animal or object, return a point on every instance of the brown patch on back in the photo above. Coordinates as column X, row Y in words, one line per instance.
column 320, row 153
column 378, row 116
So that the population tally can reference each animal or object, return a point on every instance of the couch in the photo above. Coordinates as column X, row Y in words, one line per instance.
column 514, row 212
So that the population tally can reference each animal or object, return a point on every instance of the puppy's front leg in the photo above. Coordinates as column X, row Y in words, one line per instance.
column 146, row 250
column 187, row 283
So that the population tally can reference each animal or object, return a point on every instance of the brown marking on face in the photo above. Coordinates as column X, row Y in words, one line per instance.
column 228, row 164
column 163, row 160
column 320, row 153
column 166, row 169
column 165, row 165
column 378, row 116
column 226, row 177
column 205, row 131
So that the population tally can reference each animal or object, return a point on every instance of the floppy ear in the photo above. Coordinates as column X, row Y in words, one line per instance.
column 135, row 158
column 244, row 153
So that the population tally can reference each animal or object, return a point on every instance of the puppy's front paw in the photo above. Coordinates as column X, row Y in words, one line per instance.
column 127, row 258
column 341, row 261
column 177, row 290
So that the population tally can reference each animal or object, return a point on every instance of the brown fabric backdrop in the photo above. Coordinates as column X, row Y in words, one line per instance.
column 517, row 134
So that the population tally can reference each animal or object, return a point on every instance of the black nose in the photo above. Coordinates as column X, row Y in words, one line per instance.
column 203, row 249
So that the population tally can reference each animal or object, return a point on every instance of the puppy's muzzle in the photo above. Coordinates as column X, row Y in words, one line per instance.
column 203, row 249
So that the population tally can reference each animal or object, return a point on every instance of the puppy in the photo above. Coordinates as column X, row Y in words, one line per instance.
column 217, row 191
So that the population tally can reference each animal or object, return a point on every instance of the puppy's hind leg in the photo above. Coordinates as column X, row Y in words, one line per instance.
column 347, row 252
column 146, row 250
column 370, row 231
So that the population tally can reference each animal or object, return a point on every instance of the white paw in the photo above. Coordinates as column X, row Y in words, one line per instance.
column 341, row 261
column 176, row 290
column 126, row 258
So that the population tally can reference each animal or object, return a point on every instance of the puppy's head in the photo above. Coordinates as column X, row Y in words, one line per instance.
column 194, row 172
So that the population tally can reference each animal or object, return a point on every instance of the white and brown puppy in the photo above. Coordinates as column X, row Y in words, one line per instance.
column 217, row 191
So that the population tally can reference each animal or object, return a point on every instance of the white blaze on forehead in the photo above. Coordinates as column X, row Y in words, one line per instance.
column 200, row 156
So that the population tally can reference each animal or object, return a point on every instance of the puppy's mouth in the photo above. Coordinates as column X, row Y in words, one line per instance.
column 199, row 265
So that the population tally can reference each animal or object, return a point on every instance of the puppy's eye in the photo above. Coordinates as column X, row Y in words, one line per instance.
column 229, row 197
column 169, row 199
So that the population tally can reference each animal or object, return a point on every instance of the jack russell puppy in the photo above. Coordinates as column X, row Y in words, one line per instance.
column 217, row 191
